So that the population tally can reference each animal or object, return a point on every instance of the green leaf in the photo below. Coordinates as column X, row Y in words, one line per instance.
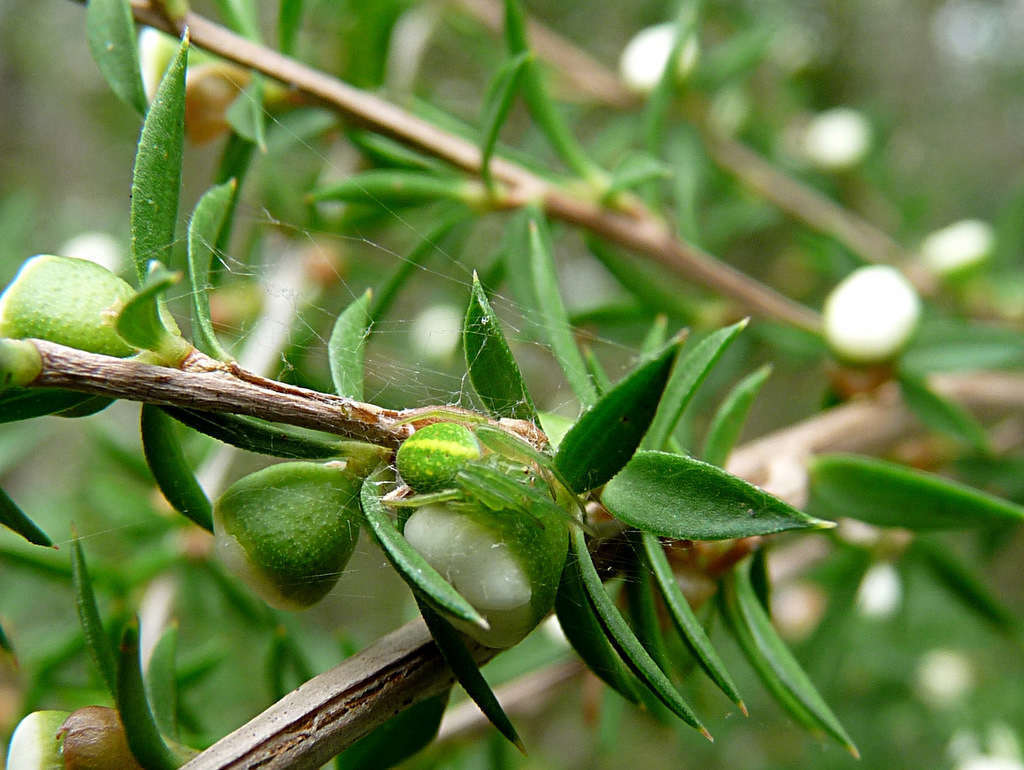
column 410, row 565
column 398, row 187
column 941, row 414
column 688, row 162
column 689, row 372
column 686, row 622
column 602, row 383
column 496, row 105
column 604, row 438
column 654, row 340
column 385, row 151
column 275, row 439
column 772, row 660
column 492, row 368
column 623, row 638
column 171, row 469
column 466, row 671
column 25, row 403
column 5, row 643
column 964, row 584
column 550, row 311
column 345, row 347
column 890, row 495
column 144, row 324
column 942, row 345
column 730, row 417
column 246, row 115
column 235, row 160
column 241, row 16
column 289, row 19
column 677, row 496
column 636, row 169
column 543, row 110
column 397, row 739
column 583, row 629
column 162, row 684
column 12, row 517
column 156, row 179
column 96, row 638
column 204, row 231
column 658, row 103
column 431, row 243
column 140, row 727
column 111, row 34
column 643, row 607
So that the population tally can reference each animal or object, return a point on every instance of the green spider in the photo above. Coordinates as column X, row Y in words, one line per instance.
column 453, row 462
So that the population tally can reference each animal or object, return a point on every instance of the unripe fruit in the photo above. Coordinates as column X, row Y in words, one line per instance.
column 71, row 301
column 289, row 530
column 506, row 565
column 430, row 458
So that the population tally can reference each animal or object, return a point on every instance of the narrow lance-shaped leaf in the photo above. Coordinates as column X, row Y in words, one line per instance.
column 543, row 110
column 965, row 585
column 625, row 641
column 942, row 415
column 654, row 340
column 144, row 323
column 890, row 495
column 686, row 622
column 689, row 372
column 246, row 115
column 385, row 151
column 676, row 496
column 12, row 517
column 767, row 653
column 547, row 303
column 204, row 230
column 140, row 727
column 410, row 565
column 397, row 739
column 603, row 440
column 598, row 375
column 398, row 187
column 345, row 347
column 171, row 469
column 584, row 632
column 492, row 368
column 156, row 178
column 235, row 160
column 111, row 35
column 660, row 100
column 162, row 684
column 241, row 16
column 25, row 403
column 96, row 638
column 636, row 169
column 643, row 609
column 731, row 415
column 289, row 19
column 496, row 106
column 466, row 671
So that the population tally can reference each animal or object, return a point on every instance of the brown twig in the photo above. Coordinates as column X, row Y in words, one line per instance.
column 639, row 230
column 590, row 78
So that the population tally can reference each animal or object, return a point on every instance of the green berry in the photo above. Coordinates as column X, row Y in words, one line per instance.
column 289, row 530
column 506, row 565
column 71, row 301
column 430, row 458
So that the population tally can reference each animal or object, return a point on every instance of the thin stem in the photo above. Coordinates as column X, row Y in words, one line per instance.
column 213, row 386
column 640, row 230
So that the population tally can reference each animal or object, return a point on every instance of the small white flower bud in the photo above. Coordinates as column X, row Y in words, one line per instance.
column 156, row 49
column 645, row 56
column 436, row 331
column 943, row 676
column 836, row 139
column 880, row 591
column 871, row 314
column 958, row 247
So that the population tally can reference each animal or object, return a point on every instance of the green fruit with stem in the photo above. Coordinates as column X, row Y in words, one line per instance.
column 70, row 301
column 429, row 459
column 506, row 564
column 289, row 530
